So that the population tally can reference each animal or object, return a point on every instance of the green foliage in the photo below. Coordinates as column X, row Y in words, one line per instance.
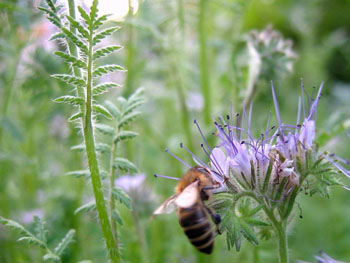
column 125, row 165
column 39, row 238
column 122, row 197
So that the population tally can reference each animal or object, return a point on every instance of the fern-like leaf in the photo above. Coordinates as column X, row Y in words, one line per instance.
column 128, row 118
column 104, row 33
column 49, row 257
column 99, row 21
column 105, row 129
column 76, row 116
column 116, row 216
column 106, row 69
column 64, row 243
column 102, row 52
column 124, row 135
column 102, row 110
column 113, row 109
column 81, row 29
column 122, row 197
column 102, row 88
column 79, row 173
column 84, row 15
column 125, row 165
column 76, row 40
column 70, row 100
column 71, row 59
column 69, row 79
column 86, row 208
column 40, row 229
column 51, row 16
column 58, row 35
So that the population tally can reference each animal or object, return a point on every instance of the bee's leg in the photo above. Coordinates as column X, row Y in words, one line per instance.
column 204, row 194
column 215, row 217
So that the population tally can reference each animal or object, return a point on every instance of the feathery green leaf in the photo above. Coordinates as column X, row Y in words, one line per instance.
column 71, row 59
column 106, row 69
column 69, row 79
column 102, row 52
column 102, row 110
column 70, row 100
column 105, row 129
column 121, row 196
column 128, row 118
column 91, row 206
column 124, row 135
column 125, row 165
column 113, row 109
column 104, row 33
column 102, row 88
column 66, row 240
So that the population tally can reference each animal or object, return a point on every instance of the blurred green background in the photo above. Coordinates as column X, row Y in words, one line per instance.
column 192, row 59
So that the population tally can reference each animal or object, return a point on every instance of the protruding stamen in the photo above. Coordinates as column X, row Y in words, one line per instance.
column 193, row 155
column 299, row 110
column 167, row 177
column 177, row 158
column 303, row 96
column 277, row 109
column 314, row 105
column 200, row 131
column 213, row 161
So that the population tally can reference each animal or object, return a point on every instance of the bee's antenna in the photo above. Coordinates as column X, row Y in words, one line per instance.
column 177, row 158
column 167, row 177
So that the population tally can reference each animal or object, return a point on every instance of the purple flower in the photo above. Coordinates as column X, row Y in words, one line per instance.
column 323, row 258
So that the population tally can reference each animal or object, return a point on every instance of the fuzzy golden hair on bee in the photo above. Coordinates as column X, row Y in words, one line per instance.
column 193, row 189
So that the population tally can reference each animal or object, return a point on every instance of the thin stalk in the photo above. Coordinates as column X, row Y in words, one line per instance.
column 178, row 82
column 280, row 230
column 92, row 160
column 111, row 198
column 203, row 60
column 73, row 50
column 141, row 236
column 181, row 18
column 282, row 243
column 130, row 55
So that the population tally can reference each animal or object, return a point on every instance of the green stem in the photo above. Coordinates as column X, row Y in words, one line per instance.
column 181, row 17
column 280, row 230
column 282, row 243
column 92, row 160
column 130, row 54
column 73, row 50
column 111, row 198
column 141, row 236
column 203, row 61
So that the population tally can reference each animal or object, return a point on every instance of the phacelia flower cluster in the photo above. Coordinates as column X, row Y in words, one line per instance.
column 275, row 164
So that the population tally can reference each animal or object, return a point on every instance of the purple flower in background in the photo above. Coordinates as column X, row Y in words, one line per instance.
column 27, row 217
column 323, row 258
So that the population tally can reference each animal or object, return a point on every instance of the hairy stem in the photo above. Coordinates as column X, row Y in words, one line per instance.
column 92, row 159
column 280, row 228
column 203, row 60
column 282, row 243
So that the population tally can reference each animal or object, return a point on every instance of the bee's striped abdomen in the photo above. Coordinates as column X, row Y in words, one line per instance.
column 196, row 225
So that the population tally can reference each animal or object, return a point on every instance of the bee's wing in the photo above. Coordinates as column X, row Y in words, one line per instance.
column 167, row 207
column 189, row 196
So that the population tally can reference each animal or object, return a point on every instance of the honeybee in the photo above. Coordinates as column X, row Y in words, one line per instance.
column 193, row 189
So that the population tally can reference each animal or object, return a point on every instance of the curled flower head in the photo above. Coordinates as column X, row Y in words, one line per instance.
column 272, row 50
